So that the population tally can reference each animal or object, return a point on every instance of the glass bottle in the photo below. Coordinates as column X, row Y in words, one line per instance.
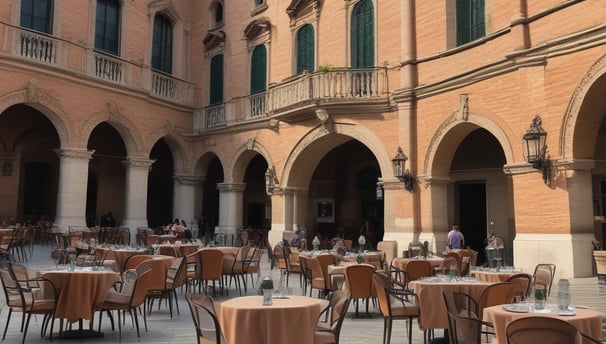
column 563, row 294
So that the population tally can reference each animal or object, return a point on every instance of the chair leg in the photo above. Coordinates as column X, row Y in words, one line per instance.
column 8, row 319
column 389, row 323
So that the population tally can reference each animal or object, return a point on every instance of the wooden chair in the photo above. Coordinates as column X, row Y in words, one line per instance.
column 175, row 278
column 464, row 325
column 495, row 294
column 206, row 322
column 537, row 329
column 235, row 268
column 130, row 297
column 293, row 266
column 449, row 263
column 314, row 275
column 543, row 276
column 359, row 283
column 338, row 305
column 211, row 263
column 325, row 259
column 416, row 269
column 521, row 286
column 390, row 247
column 395, row 303
column 17, row 281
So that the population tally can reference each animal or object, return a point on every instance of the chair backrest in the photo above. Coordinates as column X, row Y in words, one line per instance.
column 134, row 260
column 339, row 304
column 10, row 287
column 521, row 286
column 543, row 276
column 495, row 294
column 177, row 273
column 537, row 329
column 277, row 259
column 449, row 263
column 418, row 268
column 359, row 280
column 382, row 284
column 464, row 326
column 376, row 259
column 143, row 276
column 204, row 317
column 212, row 260
column 314, row 272
column 390, row 247
column 325, row 259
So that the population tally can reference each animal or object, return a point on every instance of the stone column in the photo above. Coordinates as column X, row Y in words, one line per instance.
column 135, row 212
column 185, row 198
column 73, row 182
column 230, row 207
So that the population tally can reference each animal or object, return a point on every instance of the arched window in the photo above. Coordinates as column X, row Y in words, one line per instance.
column 218, row 13
column 162, row 46
column 107, row 26
column 258, row 70
column 305, row 49
column 216, row 79
column 363, row 35
column 470, row 21
column 37, row 15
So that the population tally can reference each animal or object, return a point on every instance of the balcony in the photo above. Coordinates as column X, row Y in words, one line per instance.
column 39, row 49
column 348, row 91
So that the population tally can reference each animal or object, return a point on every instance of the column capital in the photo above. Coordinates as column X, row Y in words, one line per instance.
column 188, row 180
column 138, row 162
column 227, row 187
column 77, row 153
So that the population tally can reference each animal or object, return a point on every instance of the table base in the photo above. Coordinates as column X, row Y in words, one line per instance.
column 79, row 334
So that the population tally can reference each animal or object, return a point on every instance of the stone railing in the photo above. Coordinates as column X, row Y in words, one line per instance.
column 83, row 61
column 339, row 86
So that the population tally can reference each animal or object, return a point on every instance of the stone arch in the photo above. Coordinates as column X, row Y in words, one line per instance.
column 125, row 127
column 179, row 148
column 450, row 133
column 202, row 162
column 32, row 96
column 301, row 163
column 241, row 158
column 570, row 121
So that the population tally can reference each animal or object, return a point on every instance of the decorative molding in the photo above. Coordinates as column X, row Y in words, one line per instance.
column 214, row 39
column 463, row 111
column 74, row 153
column 231, row 187
column 188, row 180
column 138, row 162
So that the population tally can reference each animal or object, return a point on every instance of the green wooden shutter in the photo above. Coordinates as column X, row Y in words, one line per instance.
column 107, row 26
column 258, row 70
column 470, row 20
column 162, row 44
column 216, row 79
column 305, row 49
column 363, row 35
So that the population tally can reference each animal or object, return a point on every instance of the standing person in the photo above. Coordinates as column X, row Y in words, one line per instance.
column 455, row 237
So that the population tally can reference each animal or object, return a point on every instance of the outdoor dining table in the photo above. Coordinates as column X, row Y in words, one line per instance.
column 119, row 254
column 245, row 320
column 491, row 275
column 80, row 293
column 429, row 290
column 588, row 321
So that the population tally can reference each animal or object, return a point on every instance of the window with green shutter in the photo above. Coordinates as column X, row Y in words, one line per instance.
column 37, row 15
column 162, row 45
column 216, row 80
column 470, row 21
column 107, row 26
column 363, row 35
column 258, row 70
column 305, row 49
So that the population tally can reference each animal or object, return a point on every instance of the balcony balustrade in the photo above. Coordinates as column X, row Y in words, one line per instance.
column 46, row 50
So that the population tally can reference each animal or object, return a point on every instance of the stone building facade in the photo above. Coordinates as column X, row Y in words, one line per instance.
column 274, row 114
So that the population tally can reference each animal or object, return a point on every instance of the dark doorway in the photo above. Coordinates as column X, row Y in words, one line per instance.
column 160, row 186
column 256, row 215
column 472, row 215
column 37, row 189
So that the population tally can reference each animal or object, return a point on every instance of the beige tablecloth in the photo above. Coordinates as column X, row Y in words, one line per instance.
column 588, row 321
column 80, row 292
column 493, row 276
column 401, row 263
column 244, row 320
column 431, row 303
column 118, row 255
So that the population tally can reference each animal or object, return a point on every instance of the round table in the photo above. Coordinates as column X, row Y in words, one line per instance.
column 244, row 320
column 433, row 313
column 81, row 292
column 588, row 321
column 492, row 275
